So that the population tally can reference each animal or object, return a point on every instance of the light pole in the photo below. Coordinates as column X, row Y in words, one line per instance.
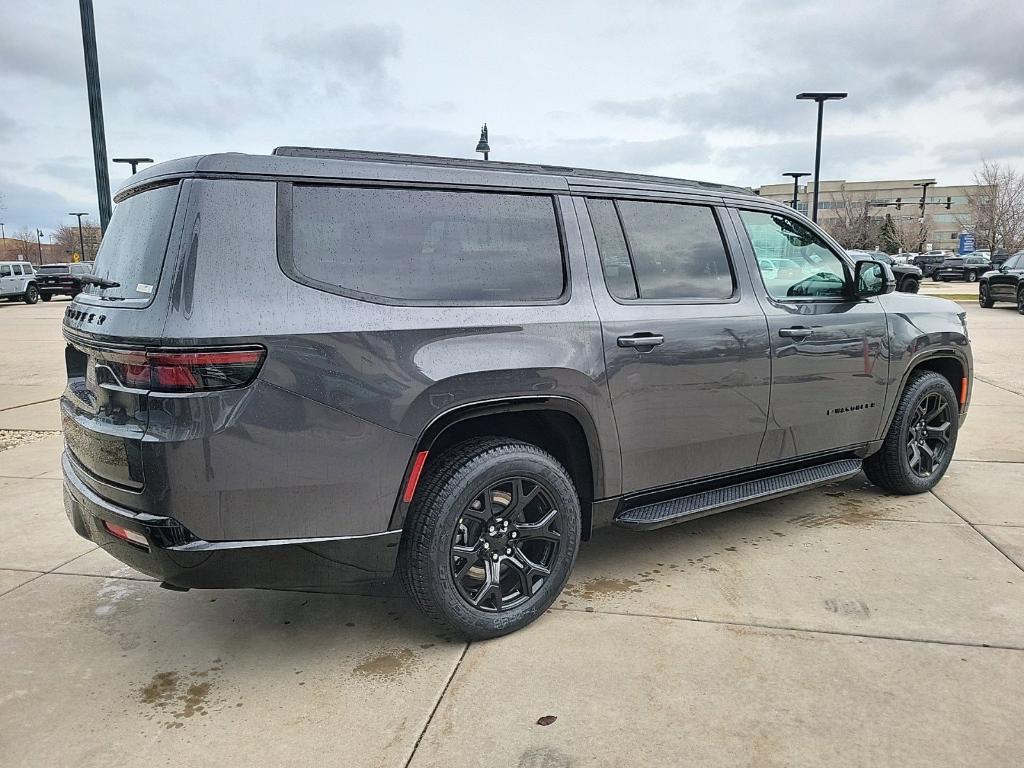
column 3, row 238
column 92, row 85
column 924, row 201
column 820, row 98
column 134, row 161
column 81, row 240
column 39, row 245
column 482, row 145
column 796, row 182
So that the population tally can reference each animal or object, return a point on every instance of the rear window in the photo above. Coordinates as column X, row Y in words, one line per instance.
column 54, row 269
column 133, row 247
column 426, row 246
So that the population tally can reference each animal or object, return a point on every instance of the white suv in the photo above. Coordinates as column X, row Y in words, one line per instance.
column 18, row 281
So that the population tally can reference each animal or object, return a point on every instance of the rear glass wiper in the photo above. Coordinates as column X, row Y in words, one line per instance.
column 100, row 281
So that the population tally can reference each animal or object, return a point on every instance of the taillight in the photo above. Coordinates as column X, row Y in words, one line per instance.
column 185, row 371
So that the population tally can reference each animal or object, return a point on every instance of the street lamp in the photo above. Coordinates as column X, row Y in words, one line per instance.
column 81, row 240
column 482, row 145
column 39, row 245
column 796, row 183
column 820, row 98
column 134, row 161
column 92, row 85
column 3, row 238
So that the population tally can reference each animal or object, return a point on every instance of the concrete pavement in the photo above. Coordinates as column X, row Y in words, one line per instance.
column 842, row 626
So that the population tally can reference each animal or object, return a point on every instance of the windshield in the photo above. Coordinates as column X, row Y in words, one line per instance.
column 133, row 247
column 53, row 269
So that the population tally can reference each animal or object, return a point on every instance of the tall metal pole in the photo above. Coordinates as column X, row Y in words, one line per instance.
column 817, row 163
column 92, row 84
column 81, row 240
column 39, row 245
column 3, row 238
column 796, row 185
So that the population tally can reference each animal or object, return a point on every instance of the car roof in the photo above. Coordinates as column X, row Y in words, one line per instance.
column 325, row 163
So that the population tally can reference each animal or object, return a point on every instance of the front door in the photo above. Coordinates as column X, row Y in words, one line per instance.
column 830, row 356
column 7, row 285
column 1003, row 284
column 686, row 344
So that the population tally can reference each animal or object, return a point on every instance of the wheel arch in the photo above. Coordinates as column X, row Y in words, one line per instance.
column 560, row 425
column 946, row 362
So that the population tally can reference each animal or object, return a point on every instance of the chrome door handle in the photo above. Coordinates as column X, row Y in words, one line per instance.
column 641, row 340
column 796, row 333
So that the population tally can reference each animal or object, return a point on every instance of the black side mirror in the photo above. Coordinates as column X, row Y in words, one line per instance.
column 872, row 278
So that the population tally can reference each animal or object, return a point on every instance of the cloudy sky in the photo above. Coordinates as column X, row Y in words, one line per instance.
column 696, row 89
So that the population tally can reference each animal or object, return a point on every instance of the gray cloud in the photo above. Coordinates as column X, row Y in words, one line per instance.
column 8, row 127
column 362, row 50
column 852, row 154
column 973, row 152
column 28, row 206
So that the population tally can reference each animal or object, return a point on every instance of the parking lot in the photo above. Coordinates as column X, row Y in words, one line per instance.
column 840, row 626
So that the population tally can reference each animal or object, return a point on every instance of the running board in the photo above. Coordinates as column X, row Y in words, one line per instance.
column 704, row 503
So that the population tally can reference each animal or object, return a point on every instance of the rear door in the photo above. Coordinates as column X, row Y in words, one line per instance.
column 6, row 280
column 830, row 361
column 686, row 344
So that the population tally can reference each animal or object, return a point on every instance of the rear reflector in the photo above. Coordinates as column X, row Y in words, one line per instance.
column 126, row 535
column 414, row 476
column 185, row 371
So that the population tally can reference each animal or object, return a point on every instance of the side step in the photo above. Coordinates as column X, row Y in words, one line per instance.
column 682, row 508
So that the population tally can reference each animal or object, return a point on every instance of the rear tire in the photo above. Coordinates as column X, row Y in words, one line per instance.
column 469, row 557
column 45, row 296
column 985, row 298
column 921, row 439
column 31, row 295
column 1020, row 300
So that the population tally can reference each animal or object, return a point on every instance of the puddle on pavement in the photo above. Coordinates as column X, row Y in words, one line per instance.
column 386, row 666
column 594, row 589
column 179, row 696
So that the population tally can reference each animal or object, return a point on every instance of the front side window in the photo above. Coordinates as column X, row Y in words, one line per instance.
column 805, row 267
column 427, row 246
column 676, row 250
column 5, row 271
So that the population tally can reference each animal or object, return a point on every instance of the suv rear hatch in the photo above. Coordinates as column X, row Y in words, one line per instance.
column 104, row 408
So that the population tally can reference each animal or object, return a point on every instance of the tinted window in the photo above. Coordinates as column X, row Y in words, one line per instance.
column 618, row 272
column 133, row 247
column 431, row 246
column 812, row 269
column 56, row 269
column 677, row 251
column 1011, row 263
column 17, row 270
column 5, row 271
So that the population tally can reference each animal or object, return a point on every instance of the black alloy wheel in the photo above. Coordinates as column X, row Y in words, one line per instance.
column 31, row 295
column 928, row 434
column 972, row 276
column 1020, row 300
column 506, row 544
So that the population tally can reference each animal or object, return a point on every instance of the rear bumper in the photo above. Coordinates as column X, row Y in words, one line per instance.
column 176, row 556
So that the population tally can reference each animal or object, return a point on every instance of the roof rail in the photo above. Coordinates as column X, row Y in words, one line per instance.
column 325, row 153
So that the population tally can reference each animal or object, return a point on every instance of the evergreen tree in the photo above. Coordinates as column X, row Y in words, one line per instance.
column 889, row 237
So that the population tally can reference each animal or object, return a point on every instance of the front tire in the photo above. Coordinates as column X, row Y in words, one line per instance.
column 491, row 536
column 1020, row 301
column 31, row 295
column 985, row 298
column 935, row 277
column 45, row 296
column 972, row 276
column 920, row 442
column 910, row 285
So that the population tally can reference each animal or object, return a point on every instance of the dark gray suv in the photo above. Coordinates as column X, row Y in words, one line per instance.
column 312, row 369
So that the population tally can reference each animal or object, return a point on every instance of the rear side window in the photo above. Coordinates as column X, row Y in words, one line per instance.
column 133, row 247
column 618, row 272
column 676, row 250
column 426, row 246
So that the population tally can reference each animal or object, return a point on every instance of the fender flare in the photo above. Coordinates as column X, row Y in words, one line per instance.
column 443, row 421
column 949, row 353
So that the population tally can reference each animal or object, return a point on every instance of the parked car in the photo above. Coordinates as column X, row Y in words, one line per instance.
column 930, row 262
column 18, row 281
column 1004, row 284
column 321, row 367
column 908, row 277
column 62, row 279
column 969, row 267
column 999, row 257
column 773, row 269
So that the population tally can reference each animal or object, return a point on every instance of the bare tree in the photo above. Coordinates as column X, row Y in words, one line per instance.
column 996, row 208
column 856, row 223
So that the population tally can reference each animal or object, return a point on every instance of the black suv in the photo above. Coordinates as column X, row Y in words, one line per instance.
column 62, row 279
column 969, row 268
column 930, row 262
column 315, row 368
column 1004, row 284
column 908, row 277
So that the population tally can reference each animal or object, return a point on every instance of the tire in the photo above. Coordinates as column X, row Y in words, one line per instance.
column 450, row 509
column 1020, row 300
column 31, row 294
column 910, row 285
column 893, row 467
column 972, row 276
column 984, row 298
column 45, row 296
